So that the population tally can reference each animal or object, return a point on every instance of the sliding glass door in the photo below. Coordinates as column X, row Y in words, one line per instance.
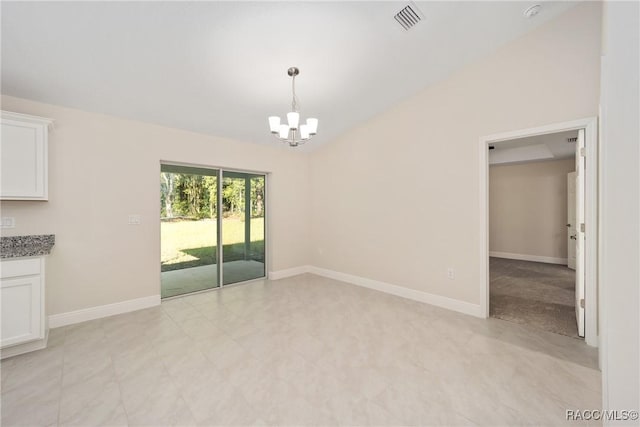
column 188, row 229
column 212, row 228
column 242, row 227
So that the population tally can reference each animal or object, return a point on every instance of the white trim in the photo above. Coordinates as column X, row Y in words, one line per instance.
column 281, row 274
column 72, row 317
column 26, row 347
column 590, row 125
column 524, row 257
column 10, row 115
column 432, row 299
column 592, row 237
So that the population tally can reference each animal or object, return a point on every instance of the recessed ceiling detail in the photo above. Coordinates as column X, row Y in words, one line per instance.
column 551, row 146
column 408, row 17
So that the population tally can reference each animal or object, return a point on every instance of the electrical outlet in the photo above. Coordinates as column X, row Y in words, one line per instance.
column 8, row 222
column 450, row 273
column 134, row 220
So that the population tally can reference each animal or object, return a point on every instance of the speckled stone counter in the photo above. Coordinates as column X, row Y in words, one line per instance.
column 23, row 246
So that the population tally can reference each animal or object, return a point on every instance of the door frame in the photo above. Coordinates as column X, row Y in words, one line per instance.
column 590, row 125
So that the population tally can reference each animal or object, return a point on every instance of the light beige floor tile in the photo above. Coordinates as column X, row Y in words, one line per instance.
column 96, row 401
column 144, row 363
column 81, row 370
column 222, row 351
column 32, row 403
column 31, row 368
column 211, row 399
column 199, row 328
column 56, row 337
column 189, row 366
column 300, row 351
column 155, row 402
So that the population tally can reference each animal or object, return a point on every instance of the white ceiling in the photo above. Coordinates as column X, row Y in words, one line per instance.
column 220, row 67
column 552, row 146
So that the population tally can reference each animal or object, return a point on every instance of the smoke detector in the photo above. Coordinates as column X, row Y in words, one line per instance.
column 532, row 11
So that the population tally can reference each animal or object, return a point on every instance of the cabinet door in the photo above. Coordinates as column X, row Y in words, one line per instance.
column 21, row 310
column 23, row 160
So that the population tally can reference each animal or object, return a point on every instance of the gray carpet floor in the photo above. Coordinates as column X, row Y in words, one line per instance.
column 535, row 294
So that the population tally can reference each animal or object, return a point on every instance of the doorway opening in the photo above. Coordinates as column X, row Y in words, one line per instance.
column 212, row 228
column 530, row 245
column 539, row 197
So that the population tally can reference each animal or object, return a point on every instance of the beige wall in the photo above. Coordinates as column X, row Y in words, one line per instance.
column 103, row 168
column 528, row 208
column 397, row 199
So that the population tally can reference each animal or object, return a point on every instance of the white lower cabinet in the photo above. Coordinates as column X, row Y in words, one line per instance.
column 23, row 324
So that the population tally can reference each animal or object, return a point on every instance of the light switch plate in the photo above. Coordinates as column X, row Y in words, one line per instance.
column 451, row 273
column 134, row 220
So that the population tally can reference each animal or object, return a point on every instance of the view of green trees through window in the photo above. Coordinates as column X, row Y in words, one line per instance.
column 193, row 197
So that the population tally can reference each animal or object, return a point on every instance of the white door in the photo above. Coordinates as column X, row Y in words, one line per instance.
column 580, row 231
column 571, row 220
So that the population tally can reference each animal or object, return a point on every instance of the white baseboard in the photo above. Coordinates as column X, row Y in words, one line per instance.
column 281, row 274
column 69, row 318
column 534, row 258
column 78, row 316
column 27, row 347
column 437, row 300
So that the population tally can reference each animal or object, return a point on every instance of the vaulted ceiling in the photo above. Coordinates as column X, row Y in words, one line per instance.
column 220, row 67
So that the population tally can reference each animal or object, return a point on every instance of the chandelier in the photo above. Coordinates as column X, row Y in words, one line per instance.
column 293, row 132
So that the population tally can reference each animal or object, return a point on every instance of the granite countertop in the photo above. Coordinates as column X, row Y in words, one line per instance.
column 23, row 246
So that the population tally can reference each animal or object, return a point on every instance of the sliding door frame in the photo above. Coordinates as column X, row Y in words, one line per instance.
column 219, row 231
column 219, row 244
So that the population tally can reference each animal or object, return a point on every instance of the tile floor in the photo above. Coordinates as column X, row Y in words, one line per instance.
column 299, row 351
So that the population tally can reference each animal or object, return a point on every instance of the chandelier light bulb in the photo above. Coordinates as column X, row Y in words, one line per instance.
column 274, row 124
column 312, row 124
column 294, row 119
column 284, row 131
column 304, row 131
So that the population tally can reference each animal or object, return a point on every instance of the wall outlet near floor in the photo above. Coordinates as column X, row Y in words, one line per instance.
column 8, row 222
column 134, row 220
column 450, row 273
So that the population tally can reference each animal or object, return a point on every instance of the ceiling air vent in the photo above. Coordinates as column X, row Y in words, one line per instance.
column 408, row 17
column 573, row 139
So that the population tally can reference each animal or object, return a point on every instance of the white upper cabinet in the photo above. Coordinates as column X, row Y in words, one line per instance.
column 23, row 157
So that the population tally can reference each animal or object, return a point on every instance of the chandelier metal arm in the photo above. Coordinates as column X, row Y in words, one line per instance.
column 293, row 141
